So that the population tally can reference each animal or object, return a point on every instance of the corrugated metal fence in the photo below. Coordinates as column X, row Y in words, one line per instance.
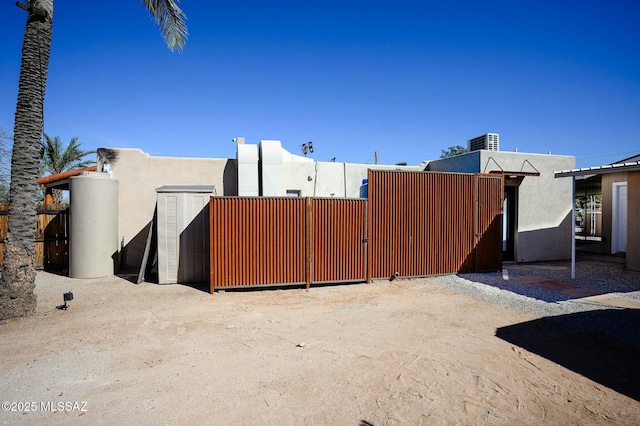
column 257, row 241
column 434, row 223
column 266, row 241
column 413, row 223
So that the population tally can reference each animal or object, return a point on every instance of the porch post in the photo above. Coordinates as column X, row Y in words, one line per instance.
column 573, row 227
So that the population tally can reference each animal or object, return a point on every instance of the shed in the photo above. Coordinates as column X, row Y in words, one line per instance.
column 183, row 233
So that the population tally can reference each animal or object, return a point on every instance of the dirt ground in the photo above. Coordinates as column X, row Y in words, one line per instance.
column 401, row 352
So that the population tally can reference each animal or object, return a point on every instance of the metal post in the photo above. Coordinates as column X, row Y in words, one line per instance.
column 308, row 242
column 573, row 227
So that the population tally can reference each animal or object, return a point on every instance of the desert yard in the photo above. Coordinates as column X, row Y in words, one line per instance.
column 401, row 352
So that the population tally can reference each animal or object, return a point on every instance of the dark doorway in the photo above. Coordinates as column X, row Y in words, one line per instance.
column 510, row 224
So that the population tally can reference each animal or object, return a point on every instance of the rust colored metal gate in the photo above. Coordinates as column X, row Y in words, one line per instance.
column 489, row 206
column 267, row 241
column 423, row 223
column 256, row 241
column 339, row 238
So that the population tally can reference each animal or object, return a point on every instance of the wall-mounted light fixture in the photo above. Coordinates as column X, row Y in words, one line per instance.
column 307, row 147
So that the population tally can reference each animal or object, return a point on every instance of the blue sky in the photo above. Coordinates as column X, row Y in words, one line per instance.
column 406, row 79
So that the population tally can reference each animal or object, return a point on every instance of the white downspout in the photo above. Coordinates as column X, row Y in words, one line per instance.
column 345, row 180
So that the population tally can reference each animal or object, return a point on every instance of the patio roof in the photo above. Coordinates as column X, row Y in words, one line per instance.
column 600, row 170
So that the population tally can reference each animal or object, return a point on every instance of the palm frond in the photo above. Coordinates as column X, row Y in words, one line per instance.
column 171, row 20
column 55, row 159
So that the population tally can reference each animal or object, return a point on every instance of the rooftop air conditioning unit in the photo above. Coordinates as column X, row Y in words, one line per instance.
column 488, row 141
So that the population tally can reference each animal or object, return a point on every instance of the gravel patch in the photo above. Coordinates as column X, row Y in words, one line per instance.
column 607, row 277
column 500, row 288
column 492, row 288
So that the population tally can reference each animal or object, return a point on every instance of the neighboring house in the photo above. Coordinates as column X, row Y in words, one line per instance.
column 620, row 186
column 588, row 209
column 537, row 208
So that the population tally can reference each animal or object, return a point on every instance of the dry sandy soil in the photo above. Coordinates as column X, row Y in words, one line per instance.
column 401, row 352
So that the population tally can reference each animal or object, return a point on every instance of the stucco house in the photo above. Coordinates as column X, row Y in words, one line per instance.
column 537, row 207
column 263, row 169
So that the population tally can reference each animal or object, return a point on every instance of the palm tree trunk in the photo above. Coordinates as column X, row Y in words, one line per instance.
column 17, row 280
column 57, row 196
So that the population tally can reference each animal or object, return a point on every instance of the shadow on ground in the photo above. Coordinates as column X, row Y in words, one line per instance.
column 602, row 345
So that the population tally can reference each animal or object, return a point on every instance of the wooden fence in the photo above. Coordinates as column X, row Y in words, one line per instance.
column 52, row 237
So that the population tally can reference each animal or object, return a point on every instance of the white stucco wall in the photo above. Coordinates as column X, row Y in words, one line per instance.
column 329, row 179
column 271, row 168
column 544, row 204
column 247, row 156
column 463, row 163
column 283, row 172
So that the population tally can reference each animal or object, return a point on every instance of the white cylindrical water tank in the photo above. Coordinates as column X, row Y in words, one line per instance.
column 93, row 225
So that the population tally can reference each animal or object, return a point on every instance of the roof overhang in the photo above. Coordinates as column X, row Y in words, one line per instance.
column 600, row 170
column 61, row 180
